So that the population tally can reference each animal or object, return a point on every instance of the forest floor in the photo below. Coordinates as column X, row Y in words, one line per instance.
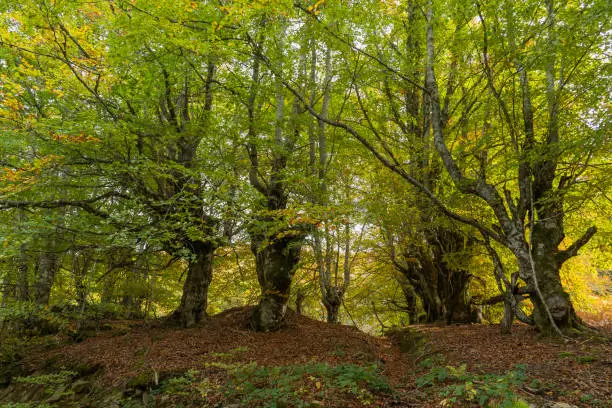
column 312, row 364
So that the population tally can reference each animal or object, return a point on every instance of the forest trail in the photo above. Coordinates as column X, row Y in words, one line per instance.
column 216, row 363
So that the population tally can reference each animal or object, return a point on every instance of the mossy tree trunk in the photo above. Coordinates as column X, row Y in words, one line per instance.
column 22, row 291
column 440, row 285
column 48, row 265
column 276, row 262
column 194, row 301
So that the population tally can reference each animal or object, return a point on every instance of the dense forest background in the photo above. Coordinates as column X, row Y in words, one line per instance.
column 377, row 163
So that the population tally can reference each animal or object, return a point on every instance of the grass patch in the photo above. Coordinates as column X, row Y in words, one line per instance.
column 586, row 359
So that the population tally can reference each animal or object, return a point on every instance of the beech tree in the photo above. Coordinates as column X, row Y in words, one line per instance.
column 528, row 220
column 137, row 144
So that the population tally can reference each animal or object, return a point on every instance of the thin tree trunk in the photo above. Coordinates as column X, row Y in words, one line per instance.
column 80, row 267
column 22, row 288
column 108, row 289
column 48, row 265
column 507, row 319
column 8, row 290
column 332, row 291
column 299, row 302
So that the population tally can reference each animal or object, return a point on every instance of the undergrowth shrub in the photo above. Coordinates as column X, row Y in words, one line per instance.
column 296, row 385
column 302, row 385
column 53, row 379
column 27, row 319
column 54, row 384
column 30, row 319
column 459, row 387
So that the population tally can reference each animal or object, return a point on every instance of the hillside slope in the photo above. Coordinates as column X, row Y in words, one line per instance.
column 310, row 363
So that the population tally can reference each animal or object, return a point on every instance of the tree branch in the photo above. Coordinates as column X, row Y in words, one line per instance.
column 573, row 249
column 84, row 204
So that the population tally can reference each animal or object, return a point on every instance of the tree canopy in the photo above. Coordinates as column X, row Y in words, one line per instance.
column 373, row 162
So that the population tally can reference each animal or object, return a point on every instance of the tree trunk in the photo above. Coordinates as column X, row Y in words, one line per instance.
column 108, row 289
column 276, row 263
column 440, row 286
column 332, row 302
column 540, row 268
column 8, row 290
column 332, row 312
column 48, row 265
column 22, row 288
column 457, row 304
column 433, row 307
column 80, row 268
column 299, row 301
column 140, row 274
column 443, row 295
column 276, row 250
column 194, row 301
column 506, row 322
column 547, row 287
column 411, row 300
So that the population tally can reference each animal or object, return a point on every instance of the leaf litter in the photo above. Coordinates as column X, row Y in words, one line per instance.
column 573, row 372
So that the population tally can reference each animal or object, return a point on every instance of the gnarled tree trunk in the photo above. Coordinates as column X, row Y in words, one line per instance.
column 551, row 302
column 332, row 302
column 194, row 300
column 276, row 262
column 411, row 298
column 441, row 287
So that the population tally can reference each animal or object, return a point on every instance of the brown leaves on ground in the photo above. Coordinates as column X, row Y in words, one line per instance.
column 169, row 350
column 574, row 372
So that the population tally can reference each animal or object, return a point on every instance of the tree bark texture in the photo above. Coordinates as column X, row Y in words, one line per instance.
column 332, row 302
column 276, row 262
column 275, row 246
column 23, row 287
column 441, row 287
column 175, row 112
column 194, row 300
column 48, row 265
column 411, row 298
column 299, row 302
column 505, row 324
